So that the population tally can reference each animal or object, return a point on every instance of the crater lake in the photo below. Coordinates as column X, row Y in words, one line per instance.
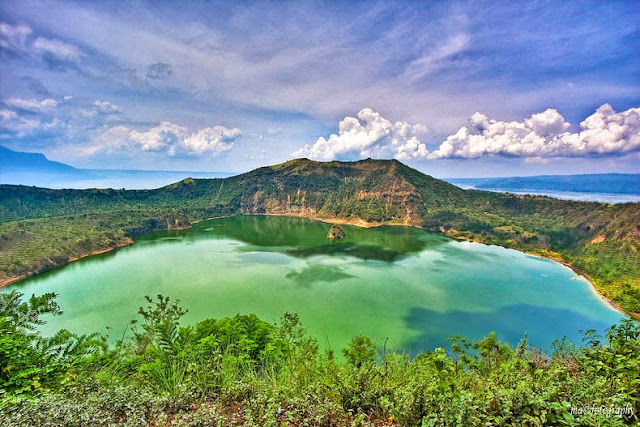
column 405, row 288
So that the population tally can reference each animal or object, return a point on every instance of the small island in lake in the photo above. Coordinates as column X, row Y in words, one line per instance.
column 336, row 233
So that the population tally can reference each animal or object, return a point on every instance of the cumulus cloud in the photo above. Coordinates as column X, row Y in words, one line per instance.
column 211, row 139
column 20, row 39
column 165, row 136
column 168, row 137
column 18, row 124
column 98, row 126
column 32, row 104
column 56, row 120
column 545, row 135
column 542, row 135
column 369, row 135
column 108, row 140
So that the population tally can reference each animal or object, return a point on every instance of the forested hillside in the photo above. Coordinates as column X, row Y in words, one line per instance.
column 41, row 228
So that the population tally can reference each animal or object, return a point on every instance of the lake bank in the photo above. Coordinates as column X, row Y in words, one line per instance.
column 362, row 223
column 415, row 287
column 358, row 222
column 16, row 279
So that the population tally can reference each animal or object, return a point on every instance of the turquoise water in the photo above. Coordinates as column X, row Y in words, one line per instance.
column 410, row 287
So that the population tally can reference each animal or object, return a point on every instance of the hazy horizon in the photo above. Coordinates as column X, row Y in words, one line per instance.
column 623, row 188
column 230, row 173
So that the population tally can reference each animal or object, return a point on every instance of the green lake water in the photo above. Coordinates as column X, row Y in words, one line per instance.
column 403, row 284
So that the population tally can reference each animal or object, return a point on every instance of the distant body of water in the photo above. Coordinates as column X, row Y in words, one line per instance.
column 606, row 188
column 568, row 195
column 401, row 284
column 107, row 178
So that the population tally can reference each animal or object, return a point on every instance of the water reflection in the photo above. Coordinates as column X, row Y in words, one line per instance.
column 422, row 288
column 303, row 238
column 512, row 322
column 315, row 273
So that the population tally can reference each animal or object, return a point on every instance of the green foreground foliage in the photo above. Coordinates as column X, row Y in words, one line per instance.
column 245, row 371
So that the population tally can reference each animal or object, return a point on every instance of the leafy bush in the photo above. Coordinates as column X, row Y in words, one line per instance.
column 244, row 370
column 28, row 362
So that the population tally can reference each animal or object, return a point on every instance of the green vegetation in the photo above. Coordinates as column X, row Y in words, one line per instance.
column 38, row 245
column 336, row 233
column 246, row 371
column 41, row 228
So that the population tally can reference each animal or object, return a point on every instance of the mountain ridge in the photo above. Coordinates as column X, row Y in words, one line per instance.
column 598, row 239
column 19, row 161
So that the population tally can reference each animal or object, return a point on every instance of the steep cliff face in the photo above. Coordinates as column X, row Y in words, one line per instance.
column 373, row 190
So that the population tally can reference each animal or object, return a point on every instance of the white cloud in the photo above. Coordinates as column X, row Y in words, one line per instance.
column 57, row 48
column 7, row 114
column 167, row 137
column 18, row 126
column 108, row 140
column 545, row 135
column 14, row 37
column 59, row 120
column 369, row 135
column 542, row 135
column 212, row 139
column 106, row 107
column 20, row 39
column 436, row 58
column 32, row 104
column 97, row 127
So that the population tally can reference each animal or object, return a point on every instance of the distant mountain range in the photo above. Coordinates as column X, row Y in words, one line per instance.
column 34, row 169
column 20, row 162
column 612, row 183
column 17, row 167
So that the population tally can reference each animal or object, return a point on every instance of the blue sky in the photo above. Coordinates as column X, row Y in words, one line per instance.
column 451, row 88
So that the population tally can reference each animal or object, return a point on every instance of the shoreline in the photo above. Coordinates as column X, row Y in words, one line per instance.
column 364, row 224
column 13, row 280
column 576, row 270
column 593, row 287
column 357, row 223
